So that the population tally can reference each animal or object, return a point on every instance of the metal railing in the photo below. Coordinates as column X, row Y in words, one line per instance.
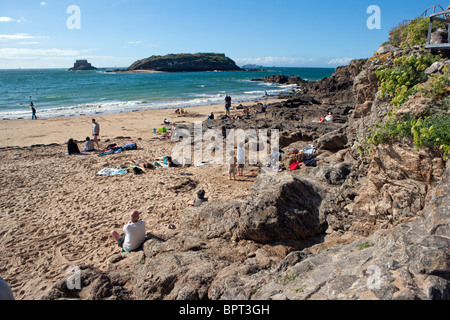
column 432, row 8
column 442, row 16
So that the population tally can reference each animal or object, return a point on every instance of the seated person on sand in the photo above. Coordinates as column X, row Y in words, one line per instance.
column 170, row 162
column 72, row 147
column 89, row 145
column 134, row 233
column 166, row 122
column 199, row 200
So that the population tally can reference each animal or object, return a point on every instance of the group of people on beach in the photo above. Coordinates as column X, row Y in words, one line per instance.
column 89, row 145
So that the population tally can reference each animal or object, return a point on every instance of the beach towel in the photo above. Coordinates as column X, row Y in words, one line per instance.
column 112, row 171
column 294, row 166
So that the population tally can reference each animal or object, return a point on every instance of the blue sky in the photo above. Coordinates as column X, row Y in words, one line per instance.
column 115, row 33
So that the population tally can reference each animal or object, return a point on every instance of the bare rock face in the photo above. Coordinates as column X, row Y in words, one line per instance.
column 409, row 262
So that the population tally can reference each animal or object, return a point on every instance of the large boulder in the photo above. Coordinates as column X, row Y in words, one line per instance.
column 282, row 207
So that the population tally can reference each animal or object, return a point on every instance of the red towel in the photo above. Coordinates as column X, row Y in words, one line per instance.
column 294, row 166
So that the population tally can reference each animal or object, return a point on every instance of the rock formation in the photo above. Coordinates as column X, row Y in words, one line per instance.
column 82, row 65
column 186, row 63
column 357, row 226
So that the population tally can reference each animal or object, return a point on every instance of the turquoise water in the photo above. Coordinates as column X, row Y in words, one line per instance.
column 58, row 92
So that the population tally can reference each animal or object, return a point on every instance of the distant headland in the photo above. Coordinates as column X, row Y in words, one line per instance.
column 184, row 63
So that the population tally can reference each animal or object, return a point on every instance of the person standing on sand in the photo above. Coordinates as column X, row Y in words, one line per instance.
column 96, row 132
column 33, row 110
column 134, row 235
column 227, row 104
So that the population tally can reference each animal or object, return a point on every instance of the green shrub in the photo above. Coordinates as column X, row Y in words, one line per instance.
column 412, row 33
column 407, row 72
column 432, row 131
column 437, row 86
column 416, row 32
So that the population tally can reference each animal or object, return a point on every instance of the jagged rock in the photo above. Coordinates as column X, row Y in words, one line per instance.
column 275, row 211
column 332, row 173
column 439, row 36
column 334, row 141
column 437, row 67
column 94, row 285
column 410, row 261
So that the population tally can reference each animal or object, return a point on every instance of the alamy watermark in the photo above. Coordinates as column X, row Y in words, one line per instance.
column 374, row 280
column 73, row 281
column 214, row 147
column 374, row 21
column 74, row 20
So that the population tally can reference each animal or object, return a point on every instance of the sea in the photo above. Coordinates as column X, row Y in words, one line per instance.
column 63, row 93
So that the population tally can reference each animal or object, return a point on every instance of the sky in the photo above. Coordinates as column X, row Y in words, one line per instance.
column 116, row 33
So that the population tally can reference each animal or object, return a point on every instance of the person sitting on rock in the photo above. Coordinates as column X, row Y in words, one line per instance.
column 134, row 233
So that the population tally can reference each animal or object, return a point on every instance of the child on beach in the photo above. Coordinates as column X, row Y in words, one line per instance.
column 232, row 163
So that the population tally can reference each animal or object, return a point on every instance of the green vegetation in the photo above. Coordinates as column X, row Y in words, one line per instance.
column 407, row 72
column 413, row 33
column 365, row 245
column 432, row 131
column 437, row 86
column 288, row 279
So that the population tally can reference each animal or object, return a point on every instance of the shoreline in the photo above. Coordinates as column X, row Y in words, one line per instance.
column 135, row 124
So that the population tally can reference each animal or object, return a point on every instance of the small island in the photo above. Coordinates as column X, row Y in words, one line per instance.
column 82, row 65
column 185, row 63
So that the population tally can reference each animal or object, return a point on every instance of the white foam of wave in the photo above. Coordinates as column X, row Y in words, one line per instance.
column 90, row 109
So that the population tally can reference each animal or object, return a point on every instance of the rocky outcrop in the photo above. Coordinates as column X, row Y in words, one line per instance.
column 357, row 226
column 82, row 65
column 186, row 63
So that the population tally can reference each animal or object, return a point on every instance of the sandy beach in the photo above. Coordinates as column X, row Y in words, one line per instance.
column 56, row 213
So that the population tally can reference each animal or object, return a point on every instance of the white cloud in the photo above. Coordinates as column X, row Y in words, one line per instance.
column 17, row 36
column 26, row 54
column 135, row 42
column 339, row 61
column 9, row 19
column 43, row 3
column 6, row 19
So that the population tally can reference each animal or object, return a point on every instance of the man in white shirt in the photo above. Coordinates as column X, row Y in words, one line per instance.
column 134, row 233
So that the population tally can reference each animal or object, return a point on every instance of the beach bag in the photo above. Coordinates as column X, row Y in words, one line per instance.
column 309, row 152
